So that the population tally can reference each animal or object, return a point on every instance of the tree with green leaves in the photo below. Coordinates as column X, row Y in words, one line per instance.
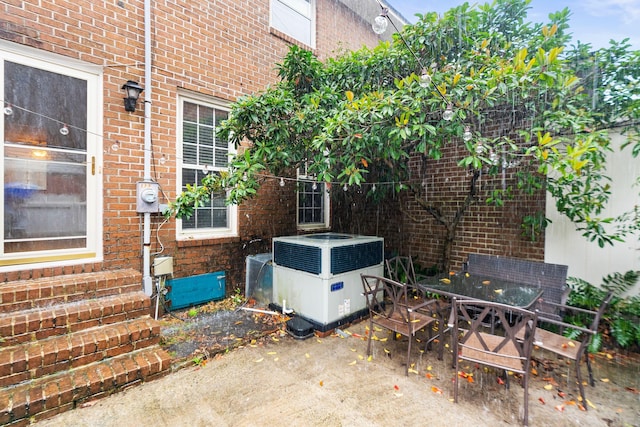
column 360, row 117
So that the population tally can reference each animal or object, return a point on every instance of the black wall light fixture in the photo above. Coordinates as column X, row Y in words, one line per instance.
column 132, row 92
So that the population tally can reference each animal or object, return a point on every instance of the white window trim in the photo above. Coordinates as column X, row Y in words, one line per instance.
column 93, row 75
column 311, row 16
column 232, row 210
column 326, row 207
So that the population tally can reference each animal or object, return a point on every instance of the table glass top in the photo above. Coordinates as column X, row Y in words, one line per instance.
column 484, row 288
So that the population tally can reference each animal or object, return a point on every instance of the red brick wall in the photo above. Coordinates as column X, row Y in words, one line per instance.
column 216, row 48
column 220, row 49
column 409, row 229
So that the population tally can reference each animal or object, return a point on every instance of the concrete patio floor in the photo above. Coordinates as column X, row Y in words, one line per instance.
column 329, row 381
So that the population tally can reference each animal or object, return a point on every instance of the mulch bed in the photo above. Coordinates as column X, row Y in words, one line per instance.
column 197, row 334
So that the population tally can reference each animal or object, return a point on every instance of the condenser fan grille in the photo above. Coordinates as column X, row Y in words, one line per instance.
column 355, row 257
column 298, row 257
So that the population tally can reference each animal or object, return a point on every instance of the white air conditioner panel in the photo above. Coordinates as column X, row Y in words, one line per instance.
column 321, row 300
column 318, row 275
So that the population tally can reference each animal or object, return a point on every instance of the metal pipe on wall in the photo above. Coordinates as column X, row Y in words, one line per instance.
column 147, row 281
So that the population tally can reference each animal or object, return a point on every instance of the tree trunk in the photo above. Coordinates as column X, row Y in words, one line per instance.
column 450, row 225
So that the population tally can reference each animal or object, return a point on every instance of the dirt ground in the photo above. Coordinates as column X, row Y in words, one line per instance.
column 270, row 378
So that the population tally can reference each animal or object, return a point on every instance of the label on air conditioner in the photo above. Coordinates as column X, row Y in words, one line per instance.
column 337, row 286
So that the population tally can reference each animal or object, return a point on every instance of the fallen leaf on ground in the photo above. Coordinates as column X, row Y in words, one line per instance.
column 604, row 380
column 321, row 383
column 560, row 408
column 548, row 387
column 352, row 363
column 542, row 401
column 436, row 390
column 591, row 405
column 307, row 355
column 259, row 360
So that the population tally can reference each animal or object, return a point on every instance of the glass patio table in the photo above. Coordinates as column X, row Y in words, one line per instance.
column 464, row 285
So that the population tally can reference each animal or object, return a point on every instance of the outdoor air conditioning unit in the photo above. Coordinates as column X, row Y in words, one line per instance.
column 318, row 275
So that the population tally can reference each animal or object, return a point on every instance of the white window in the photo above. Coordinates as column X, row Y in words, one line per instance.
column 295, row 18
column 51, row 121
column 202, row 153
column 313, row 202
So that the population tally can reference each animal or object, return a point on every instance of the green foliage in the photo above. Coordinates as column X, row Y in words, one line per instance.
column 621, row 321
column 534, row 225
column 237, row 298
column 361, row 116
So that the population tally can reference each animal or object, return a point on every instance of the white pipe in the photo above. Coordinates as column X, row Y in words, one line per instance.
column 257, row 310
column 284, row 307
column 146, row 244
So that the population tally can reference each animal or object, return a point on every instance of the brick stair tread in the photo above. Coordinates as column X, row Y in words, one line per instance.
column 40, row 323
column 29, row 360
column 34, row 293
column 50, row 395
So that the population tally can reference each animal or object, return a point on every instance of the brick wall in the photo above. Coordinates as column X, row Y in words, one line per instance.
column 223, row 49
column 220, row 49
column 409, row 229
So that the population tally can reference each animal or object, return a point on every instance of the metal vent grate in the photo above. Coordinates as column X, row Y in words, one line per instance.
column 355, row 257
column 298, row 257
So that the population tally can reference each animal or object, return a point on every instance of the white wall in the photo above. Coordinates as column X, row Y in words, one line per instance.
column 586, row 260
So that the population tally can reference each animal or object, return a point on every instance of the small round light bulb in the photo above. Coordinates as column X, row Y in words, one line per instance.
column 448, row 113
column 467, row 135
column 380, row 24
column 425, row 78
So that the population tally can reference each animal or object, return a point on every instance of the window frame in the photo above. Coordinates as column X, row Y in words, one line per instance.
column 93, row 76
column 303, row 177
column 295, row 10
column 231, row 230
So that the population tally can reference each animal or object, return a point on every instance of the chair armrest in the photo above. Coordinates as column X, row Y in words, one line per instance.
column 422, row 305
column 543, row 318
column 563, row 307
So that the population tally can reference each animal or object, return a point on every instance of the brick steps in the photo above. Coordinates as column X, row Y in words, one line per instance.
column 50, row 395
column 44, row 357
column 43, row 292
column 67, row 339
column 41, row 323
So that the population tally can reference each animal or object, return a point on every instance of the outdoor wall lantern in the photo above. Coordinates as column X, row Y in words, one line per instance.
column 132, row 90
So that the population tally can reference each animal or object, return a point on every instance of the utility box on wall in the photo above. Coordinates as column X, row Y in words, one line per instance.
column 194, row 290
